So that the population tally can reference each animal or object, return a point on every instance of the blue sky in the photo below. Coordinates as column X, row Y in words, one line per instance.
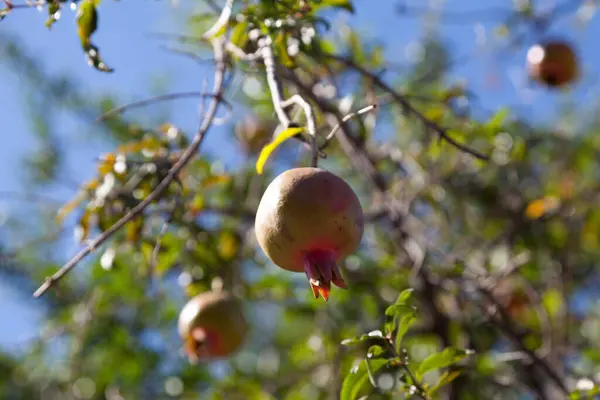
column 123, row 37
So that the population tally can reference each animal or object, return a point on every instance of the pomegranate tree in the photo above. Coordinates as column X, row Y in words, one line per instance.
column 307, row 221
column 212, row 324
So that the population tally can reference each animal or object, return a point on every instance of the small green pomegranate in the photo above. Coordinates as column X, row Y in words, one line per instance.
column 212, row 325
column 307, row 221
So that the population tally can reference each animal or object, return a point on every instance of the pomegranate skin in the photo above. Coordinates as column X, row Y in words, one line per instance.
column 309, row 219
column 553, row 63
column 212, row 325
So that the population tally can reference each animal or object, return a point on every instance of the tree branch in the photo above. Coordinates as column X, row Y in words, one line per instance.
column 405, row 104
column 346, row 118
column 185, row 158
column 265, row 52
column 157, row 99
column 311, row 124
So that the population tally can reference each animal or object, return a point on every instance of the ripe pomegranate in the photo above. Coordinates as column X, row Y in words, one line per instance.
column 307, row 221
column 553, row 63
column 212, row 324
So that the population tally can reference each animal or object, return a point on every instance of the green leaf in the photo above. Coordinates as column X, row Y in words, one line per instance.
column 389, row 327
column 239, row 37
column 495, row 123
column 402, row 311
column 280, row 45
column 87, row 23
column 585, row 394
column 93, row 56
column 449, row 356
column 53, row 8
column 345, row 4
column 397, row 310
column 403, row 326
column 553, row 302
column 214, row 180
column 446, row 378
column 374, row 352
column 271, row 147
column 356, row 46
column 356, row 380
column 404, row 296
column 355, row 340
column 376, row 333
column 84, row 224
column 70, row 206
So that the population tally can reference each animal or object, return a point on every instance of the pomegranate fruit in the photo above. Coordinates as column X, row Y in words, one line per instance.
column 212, row 324
column 307, row 221
column 553, row 63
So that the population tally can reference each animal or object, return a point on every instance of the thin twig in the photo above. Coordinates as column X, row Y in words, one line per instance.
column 268, row 58
column 221, row 21
column 34, row 243
column 420, row 389
column 155, row 252
column 189, row 54
column 242, row 55
column 12, row 6
column 29, row 197
column 461, row 17
column 265, row 52
column 405, row 104
column 152, row 100
column 347, row 118
column 186, row 157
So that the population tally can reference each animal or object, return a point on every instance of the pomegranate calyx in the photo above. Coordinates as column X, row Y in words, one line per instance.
column 321, row 269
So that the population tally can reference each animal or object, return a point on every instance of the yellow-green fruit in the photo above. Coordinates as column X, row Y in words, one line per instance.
column 213, row 325
column 553, row 63
column 254, row 133
column 307, row 221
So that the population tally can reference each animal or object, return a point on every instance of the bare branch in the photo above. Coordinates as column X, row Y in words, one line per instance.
column 221, row 21
column 189, row 54
column 157, row 99
column 492, row 14
column 185, row 158
column 268, row 58
column 311, row 124
column 239, row 53
column 279, row 104
column 11, row 6
column 265, row 52
column 405, row 104
column 347, row 118
column 41, row 199
column 156, row 251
